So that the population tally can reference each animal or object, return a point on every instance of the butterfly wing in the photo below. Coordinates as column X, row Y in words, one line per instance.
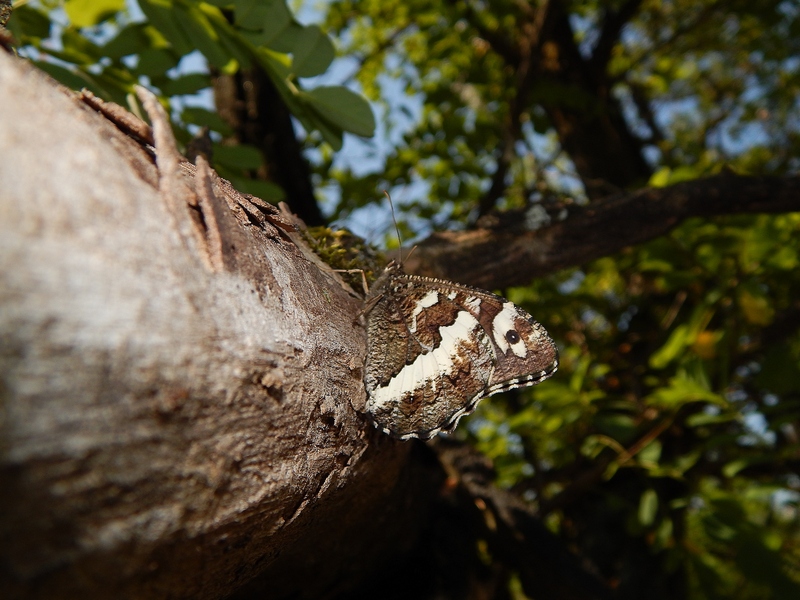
column 436, row 348
column 427, row 358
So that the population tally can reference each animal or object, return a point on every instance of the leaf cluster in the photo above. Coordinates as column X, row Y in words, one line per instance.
column 672, row 426
column 178, row 47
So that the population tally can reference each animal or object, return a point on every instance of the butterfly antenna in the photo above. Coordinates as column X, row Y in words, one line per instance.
column 396, row 227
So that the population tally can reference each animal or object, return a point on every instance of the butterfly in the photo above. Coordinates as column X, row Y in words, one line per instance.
column 436, row 348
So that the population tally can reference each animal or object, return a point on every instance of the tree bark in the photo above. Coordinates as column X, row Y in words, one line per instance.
column 177, row 376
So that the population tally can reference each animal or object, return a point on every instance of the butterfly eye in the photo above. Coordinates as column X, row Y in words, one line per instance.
column 512, row 336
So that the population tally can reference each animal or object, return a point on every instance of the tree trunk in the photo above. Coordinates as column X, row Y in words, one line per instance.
column 178, row 376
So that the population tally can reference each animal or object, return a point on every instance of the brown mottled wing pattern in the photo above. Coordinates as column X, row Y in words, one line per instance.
column 435, row 348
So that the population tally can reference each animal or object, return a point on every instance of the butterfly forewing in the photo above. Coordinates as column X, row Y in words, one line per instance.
column 435, row 348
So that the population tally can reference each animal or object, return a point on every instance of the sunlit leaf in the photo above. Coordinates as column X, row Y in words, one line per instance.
column 651, row 453
column 133, row 39
column 756, row 306
column 86, row 13
column 683, row 390
column 648, row 506
column 166, row 20
column 204, row 37
column 675, row 345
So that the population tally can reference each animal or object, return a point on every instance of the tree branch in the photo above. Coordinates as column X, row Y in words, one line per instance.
column 546, row 568
column 497, row 259
column 591, row 125
column 526, row 69
column 613, row 23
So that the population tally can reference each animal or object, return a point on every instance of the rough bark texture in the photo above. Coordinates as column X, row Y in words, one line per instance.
column 177, row 378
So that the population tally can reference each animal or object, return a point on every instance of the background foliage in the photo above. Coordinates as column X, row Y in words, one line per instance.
column 665, row 452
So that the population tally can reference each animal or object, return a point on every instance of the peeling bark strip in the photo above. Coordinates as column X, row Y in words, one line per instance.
column 497, row 259
column 167, row 429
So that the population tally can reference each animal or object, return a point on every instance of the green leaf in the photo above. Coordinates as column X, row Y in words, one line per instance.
column 154, row 62
column 78, row 49
column 286, row 40
column 313, row 122
column 230, row 39
column 183, row 85
column 343, row 109
column 620, row 427
column 28, row 23
column 278, row 66
column 166, row 20
column 687, row 461
column 651, row 453
column 265, row 190
column 264, row 21
column 734, row 467
column 677, row 342
column 702, row 419
column 648, row 507
column 72, row 78
column 204, row 37
column 683, row 390
column 203, row 117
column 756, row 305
column 134, row 39
column 87, row 13
column 117, row 82
column 241, row 156
column 660, row 178
column 312, row 53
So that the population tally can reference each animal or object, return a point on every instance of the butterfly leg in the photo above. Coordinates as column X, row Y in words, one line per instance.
column 363, row 277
